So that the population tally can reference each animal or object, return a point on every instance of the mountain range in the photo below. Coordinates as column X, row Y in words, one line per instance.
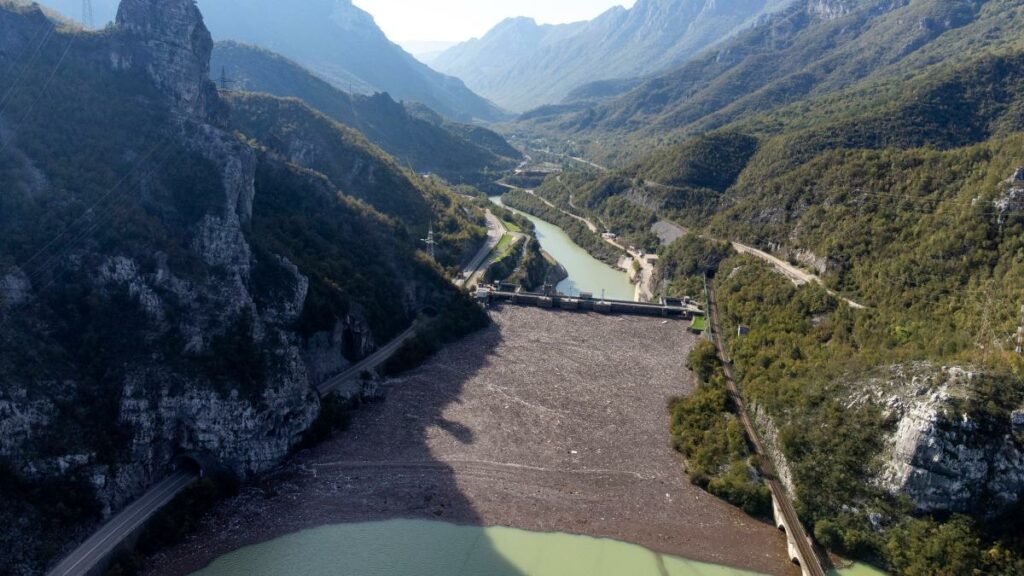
column 878, row 146
column 336, row 40
column 412, row 133
column 173, row 258
column 522, row 65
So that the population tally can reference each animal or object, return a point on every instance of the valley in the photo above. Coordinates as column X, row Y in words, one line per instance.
column 693, row 286
column 534, row 423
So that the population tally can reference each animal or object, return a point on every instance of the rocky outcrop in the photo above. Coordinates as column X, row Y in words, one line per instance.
column 248, row 435
column 942, row 455
column 819, row 264
column 168, row 40
column 15, row 288
column 167, row 400
column 830, row 9
column 1012, row 196
column 180, row 319
column 770, row 434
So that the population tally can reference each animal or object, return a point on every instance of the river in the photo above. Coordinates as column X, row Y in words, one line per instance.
column 586, row 273
column 431, row 548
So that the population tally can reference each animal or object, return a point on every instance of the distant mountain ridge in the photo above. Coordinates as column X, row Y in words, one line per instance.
column 337, row 41
column 423, row 139
column 522, row 65
column 814, row 49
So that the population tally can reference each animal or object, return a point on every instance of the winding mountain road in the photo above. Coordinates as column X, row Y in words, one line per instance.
column 495, row 232
column 796, row 275
column 371, row 362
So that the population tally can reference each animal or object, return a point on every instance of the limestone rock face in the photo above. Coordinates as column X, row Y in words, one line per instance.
column 168, row 39
column 167, row 406
column 943, row 457
column 15, row 288
column 830, row 9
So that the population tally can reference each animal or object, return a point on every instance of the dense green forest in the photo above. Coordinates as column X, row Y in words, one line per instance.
column 153, row 253
column 360, row 170
column 707, row 432
column 412, row 133
column 880, row 150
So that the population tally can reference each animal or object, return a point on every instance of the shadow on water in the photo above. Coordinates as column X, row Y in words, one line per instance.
column 338, row 510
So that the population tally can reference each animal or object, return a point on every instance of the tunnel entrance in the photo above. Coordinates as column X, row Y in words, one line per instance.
column 199, row 463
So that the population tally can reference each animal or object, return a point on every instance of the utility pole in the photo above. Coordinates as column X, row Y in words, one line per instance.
column 225, row 82
column 87, row 14
column 431, row 243
column 1020, row 333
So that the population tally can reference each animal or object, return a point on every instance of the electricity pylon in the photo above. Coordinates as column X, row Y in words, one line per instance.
column 431, row 243
column 87, row 14
column 1020, row 333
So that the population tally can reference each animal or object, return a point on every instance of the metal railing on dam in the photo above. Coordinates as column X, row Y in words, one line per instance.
column 586, row 303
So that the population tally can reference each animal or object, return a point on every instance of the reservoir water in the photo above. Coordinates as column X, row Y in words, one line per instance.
column 431, row 548
column 586, row 273
column 425, row 548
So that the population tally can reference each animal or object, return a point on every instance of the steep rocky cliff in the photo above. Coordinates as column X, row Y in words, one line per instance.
column 830, row 9
column 944, row 454
column 167, row 285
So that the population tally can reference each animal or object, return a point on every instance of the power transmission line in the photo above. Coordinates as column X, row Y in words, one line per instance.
column 46, row 86
column 29, row 64
column 116, row 207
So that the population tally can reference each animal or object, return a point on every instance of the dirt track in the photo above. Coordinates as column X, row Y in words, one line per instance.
column 547, row 421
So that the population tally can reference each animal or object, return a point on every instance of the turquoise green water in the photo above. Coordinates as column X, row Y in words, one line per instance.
column 586, row 273
column 423, row 548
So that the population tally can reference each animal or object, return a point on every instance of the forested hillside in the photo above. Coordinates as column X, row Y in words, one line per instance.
column 879, row 146
column 805, row 65
column 410, row 132
column 171, row 260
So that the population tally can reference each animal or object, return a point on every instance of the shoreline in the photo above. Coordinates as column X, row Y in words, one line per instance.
column 537, row 423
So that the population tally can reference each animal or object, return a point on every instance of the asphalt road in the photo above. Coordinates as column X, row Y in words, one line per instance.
column 106, row 539
column 495, row 232
column 371, row 362
column 798, row 276
column 101, row 544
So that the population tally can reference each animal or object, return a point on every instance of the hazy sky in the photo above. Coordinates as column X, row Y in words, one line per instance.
column 458, row 20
